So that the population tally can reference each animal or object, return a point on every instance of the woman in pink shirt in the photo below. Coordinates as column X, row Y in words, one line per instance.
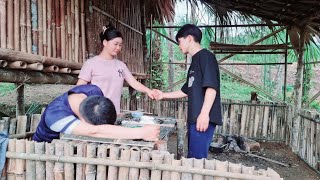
column 109, row 73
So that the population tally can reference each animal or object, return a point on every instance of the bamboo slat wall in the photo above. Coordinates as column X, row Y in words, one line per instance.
column 68, row 30
column 81, row 160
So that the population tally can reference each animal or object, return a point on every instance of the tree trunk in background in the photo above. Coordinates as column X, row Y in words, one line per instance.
column 171, row 57
column 306, row 83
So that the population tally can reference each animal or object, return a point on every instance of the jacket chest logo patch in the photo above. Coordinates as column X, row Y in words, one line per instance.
column 190, row 81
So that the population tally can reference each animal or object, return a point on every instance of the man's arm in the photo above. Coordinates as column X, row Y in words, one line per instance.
column 148, row 133
column 203, row 118
column 169, row 95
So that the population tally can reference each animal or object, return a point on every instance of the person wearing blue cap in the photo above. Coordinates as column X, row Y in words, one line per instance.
column 84, row 110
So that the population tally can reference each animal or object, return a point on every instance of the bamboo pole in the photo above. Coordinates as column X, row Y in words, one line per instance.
column 12, row 126
column 3, row 24
column 80, row 167
column 157, row 158
column 40, row 27
column 124, row 156
column 210, row 165
column 64, row 70
column 53, row 29
column 11, row 162
column 69, row 167
column 134, row 157
column 44, row 25
column 30, row 165
column 3, row 63
column 187, row 163
column 49, row 27
column 114, row 155
column 17, row 65
column 145, row 157
column 221, row 166
column 75, row 71
column 23, row 29
column 49, row 150
column 58, row 18
column 35, row 66
column 265, row 121
column 63, row 30
column 168, row 158
column 52, row 68
column 69, row 31
column 148, row 165
column 235, row 168
column 58, row 170
column 91, row 169
column 102, row 154
column 40, row 165
column 256, row 121
column 83, row 31
column 34, row 27
column 10, row 25
column 10, row 55
column 198, row 163
column 21, row 124
column 20, row 163
column 16, row 25
column 35, row 119
column 76, row 30
column 28, row 15
column 243, row 119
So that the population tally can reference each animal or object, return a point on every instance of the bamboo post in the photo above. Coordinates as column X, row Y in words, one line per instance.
column 53, row 29
column 167, row 160
column 209, row 164
column 52, row 68
column 176, row 175
column 243, row 119
column 250, row 122
column 72, row 30
column 135, row 157
column 16, row 25
column 30, row 165
column 2, row 125
column 187, row 163
column 34, row 27
column 80, row 168
column 69, row 30
column 40, row 165
column 58, row 27
column 58, row 169
column 11, row 162
column 247, row 170
column 17, row 65
column 49, row 27
column 198, row 163
column 145, row 157
column 180, row 138
column 91, row 169
column 274, row 123
column 3, row 24
column 12, row 126
column 40, row 27
column 23, row 29
column 6, row 123
column 114, row 155
column 77, row 30
column 157, row 158
column 69, row 167
column 3, row 63
column 49, row 150
column 10, row 25
column 20, row 163
column 63, row 30
column 44, row 27
column 102, row 154
column 35, row 66
column 125, row 156
column 28, row 15
column 21, row 124
column 232, row 119
column 265, row 121
column 235, row 168
column 83, row 32
column 256, row 122
column 221, row 166
column 225, row 120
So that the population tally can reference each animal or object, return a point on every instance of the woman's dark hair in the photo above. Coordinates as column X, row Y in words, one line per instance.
column 190, row 29
column 109, row 32
column 98, row 110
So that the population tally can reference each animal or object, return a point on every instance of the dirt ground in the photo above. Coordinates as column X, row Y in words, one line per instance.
column 297, row 170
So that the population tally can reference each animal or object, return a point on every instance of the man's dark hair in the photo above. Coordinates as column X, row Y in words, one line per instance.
column 98, row 110
column 189, row 29
column 109, row 32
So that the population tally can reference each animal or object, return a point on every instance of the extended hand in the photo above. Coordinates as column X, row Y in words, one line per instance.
column 158, row 94
column 202, row 122
column 151, row 132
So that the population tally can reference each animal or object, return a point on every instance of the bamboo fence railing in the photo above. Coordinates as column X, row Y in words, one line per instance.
column 84, row 160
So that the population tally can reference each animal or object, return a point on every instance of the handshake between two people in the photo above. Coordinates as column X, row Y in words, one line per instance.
column 155, row 94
